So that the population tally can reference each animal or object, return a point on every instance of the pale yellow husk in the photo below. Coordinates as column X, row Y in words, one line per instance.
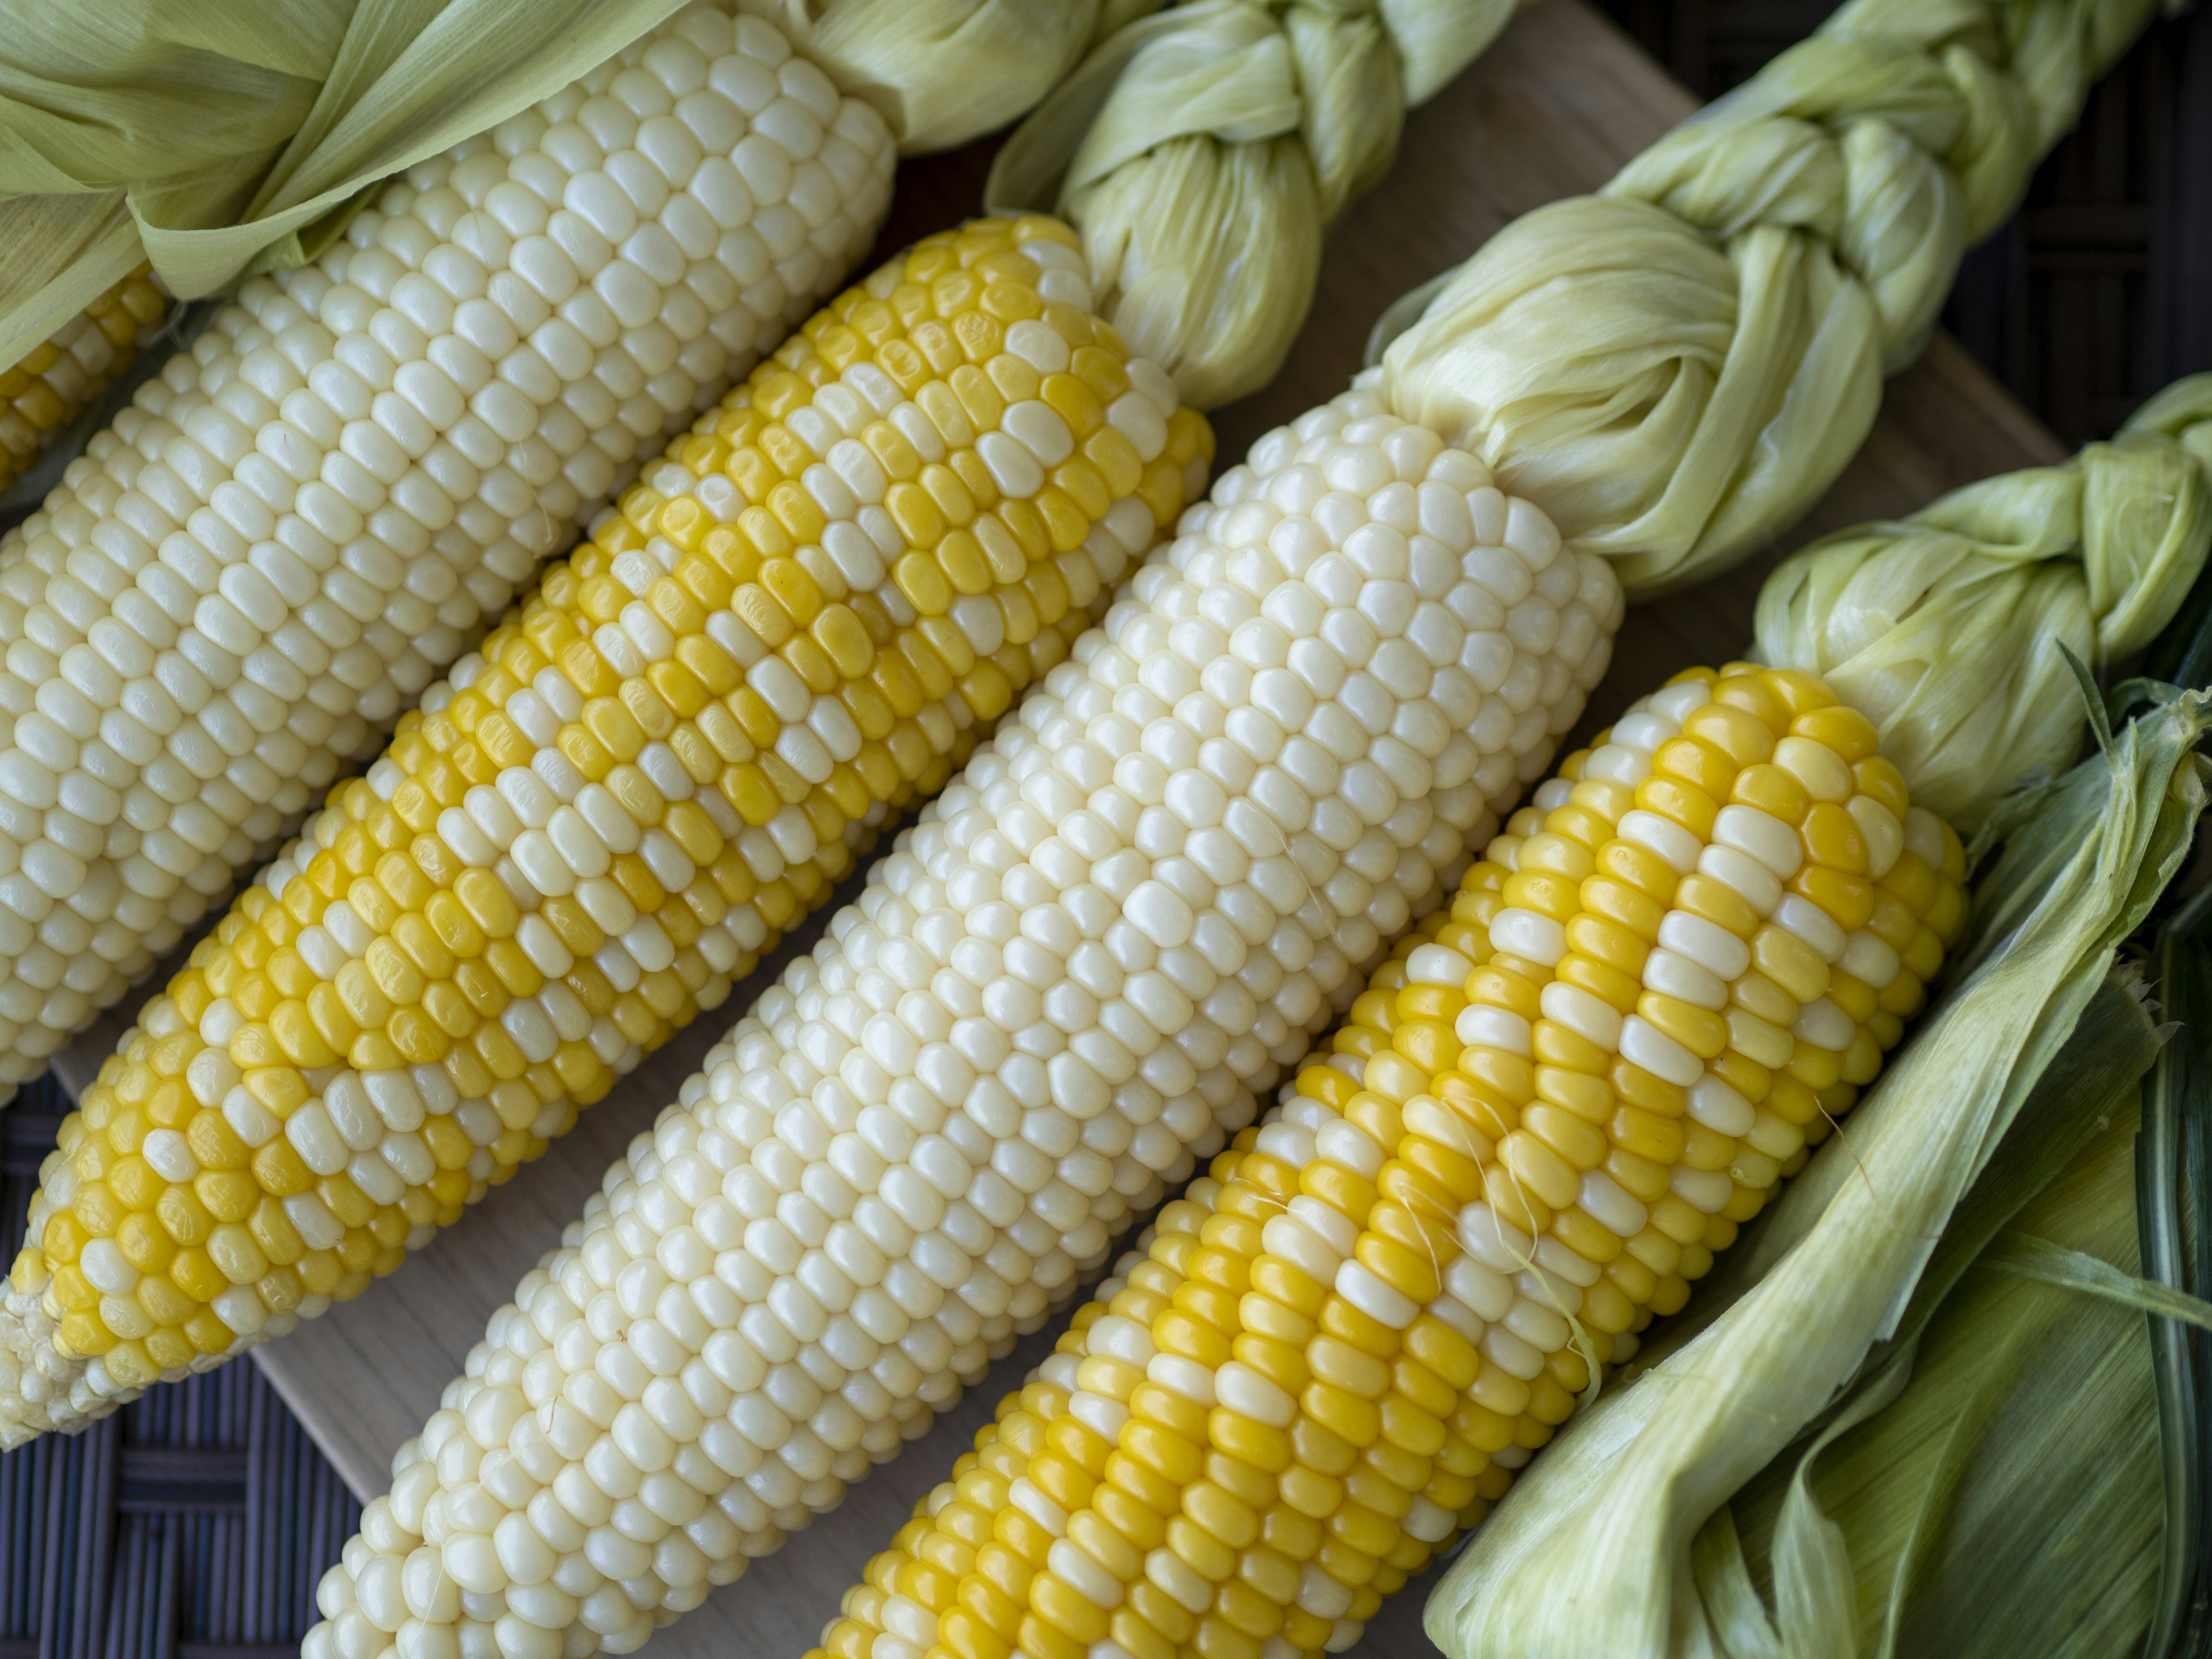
column 1203, row 152
column 1948, row 629
column 1589, row 1553
column 214, row 138
column 1678, row 366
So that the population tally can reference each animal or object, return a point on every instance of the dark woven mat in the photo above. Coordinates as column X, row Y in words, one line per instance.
column 191, row 1525
column 194, row 1524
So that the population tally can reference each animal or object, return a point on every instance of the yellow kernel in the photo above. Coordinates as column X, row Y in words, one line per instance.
column 1740, row 736
column 1840, row 728
column 922, row 580
column 1770, row 790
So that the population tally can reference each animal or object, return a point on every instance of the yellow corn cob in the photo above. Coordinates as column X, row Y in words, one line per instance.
column 809, row 610
column 1547, row 1112
column 50, row 385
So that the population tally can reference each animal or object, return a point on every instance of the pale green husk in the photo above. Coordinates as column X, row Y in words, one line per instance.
column 1678, row 368
column 2029, row 1417
column 1202, row 152
column 216, row 138
column 1948, row 631
column 1590, row 1552
column 944, row 71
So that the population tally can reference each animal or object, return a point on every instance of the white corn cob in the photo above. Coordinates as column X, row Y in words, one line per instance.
column 1129, row 913
column 313, row 510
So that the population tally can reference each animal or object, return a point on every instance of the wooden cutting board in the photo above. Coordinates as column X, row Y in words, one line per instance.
column 1555, row 107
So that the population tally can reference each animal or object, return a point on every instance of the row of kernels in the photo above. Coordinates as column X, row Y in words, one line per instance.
column 312, row 510
column 1168, row 1508
column 1636, row 909
column 951, row 1564
column 827, row 1404
column 1067, row 1541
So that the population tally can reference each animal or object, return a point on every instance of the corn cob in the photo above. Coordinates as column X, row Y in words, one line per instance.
column 806, row 614
column 309, row 513
column 1542, row 1120
column 50, row 387
column 1135, row 905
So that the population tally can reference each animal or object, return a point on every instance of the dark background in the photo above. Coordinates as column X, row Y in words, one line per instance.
column 194, row 1524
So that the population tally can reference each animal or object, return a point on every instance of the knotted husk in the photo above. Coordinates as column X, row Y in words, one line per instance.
column 1677, row 367
column 218, row 140
column 944, row 71
column 1949, row 630
column 1591, row 1551
column 1202, row 153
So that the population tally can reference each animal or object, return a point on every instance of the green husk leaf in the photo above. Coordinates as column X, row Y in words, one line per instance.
column 208, row 137
column 2025, row 1255
column 2171, row 1196
column 2026, row 1425
column 943, row 71
column 1589, row 1553
column 1677, row 367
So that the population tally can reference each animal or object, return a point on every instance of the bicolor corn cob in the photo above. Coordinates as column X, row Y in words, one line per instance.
column 51, row 387
column 1135, row 908
column 1545, row 1116
column 312, row 512
column 810, row 611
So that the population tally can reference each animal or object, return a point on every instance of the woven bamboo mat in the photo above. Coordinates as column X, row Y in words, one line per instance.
column 195, row 1524
column 191, row 1525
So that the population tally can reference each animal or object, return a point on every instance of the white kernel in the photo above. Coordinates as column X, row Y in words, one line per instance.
column 1530, row 935
column 1646, row 1045
column 1587, row 1017
column 1674, row 844
column 1816, row 766
column 1765, row 838
column 1811, row 925
column 1885, row 836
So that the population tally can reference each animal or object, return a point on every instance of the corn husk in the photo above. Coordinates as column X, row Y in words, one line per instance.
column 2173, row 1207
column 944, row 71
column 2029, row 1416
column 1949, row 630
column 1678, row 368
column 222, row 139
column 1202, row 153
column 1589, row 1552
column 2037, row 1404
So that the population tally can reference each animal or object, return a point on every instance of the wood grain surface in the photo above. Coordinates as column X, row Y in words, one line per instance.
column 1555, row 107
